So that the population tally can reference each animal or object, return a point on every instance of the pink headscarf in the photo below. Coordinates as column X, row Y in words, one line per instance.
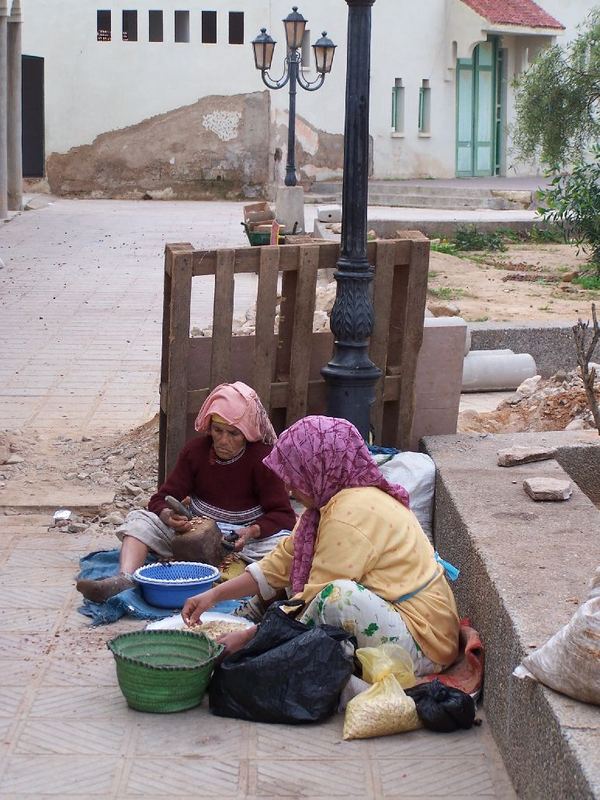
column 240, row 406
column 320, row 456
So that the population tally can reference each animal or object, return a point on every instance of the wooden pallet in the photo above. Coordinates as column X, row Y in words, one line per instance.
column 284, row 368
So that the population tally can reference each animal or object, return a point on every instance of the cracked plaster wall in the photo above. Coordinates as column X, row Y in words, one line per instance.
column 319, row 154
column 216, row 147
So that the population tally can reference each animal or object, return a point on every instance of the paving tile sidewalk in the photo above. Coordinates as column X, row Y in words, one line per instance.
column 66, row 731
column 81, row 308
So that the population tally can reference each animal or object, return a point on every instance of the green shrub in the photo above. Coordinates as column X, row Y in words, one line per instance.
column 550, row 235
column 446, row 293
column 469, row 238
column 444, row 247
column 591, row 282
column 573, row 203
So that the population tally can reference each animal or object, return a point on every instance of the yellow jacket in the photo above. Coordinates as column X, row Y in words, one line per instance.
column 366, row 536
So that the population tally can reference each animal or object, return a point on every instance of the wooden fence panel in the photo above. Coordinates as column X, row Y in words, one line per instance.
column 382, row 302
column 220, row 365
column 284, row 367
column 266, row 305
column 176, row 328
column 302, row 333
column 415, row 300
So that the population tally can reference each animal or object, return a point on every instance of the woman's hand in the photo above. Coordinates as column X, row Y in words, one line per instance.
column 178, row 522
column 246, row 535
column 196, row 606
column 235, row 640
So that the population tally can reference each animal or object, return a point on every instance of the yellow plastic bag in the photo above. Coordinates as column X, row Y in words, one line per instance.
column 387, row 659
column 384, row 708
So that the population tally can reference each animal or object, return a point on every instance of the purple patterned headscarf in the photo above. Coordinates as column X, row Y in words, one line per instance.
column 320, row 456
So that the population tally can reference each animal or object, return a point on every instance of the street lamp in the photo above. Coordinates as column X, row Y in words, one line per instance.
column 264, row 46
column 350, row 374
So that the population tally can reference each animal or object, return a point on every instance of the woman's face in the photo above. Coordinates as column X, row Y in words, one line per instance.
column 306, row 501
column 227, row 440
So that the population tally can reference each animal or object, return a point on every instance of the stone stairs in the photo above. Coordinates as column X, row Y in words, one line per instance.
column 433, row 194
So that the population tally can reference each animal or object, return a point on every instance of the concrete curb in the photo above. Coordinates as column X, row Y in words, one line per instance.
column 522, row 563
column 550, row 343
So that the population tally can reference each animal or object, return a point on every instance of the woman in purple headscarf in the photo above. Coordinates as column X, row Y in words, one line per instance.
column 357, row 558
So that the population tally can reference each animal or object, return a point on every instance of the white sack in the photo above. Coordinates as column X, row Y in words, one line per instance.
column 569, row 662
column 416, row 472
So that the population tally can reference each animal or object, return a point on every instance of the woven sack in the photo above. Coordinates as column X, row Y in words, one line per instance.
column 569, row 662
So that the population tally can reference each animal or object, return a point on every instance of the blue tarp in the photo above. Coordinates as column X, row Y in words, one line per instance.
column 104, row 563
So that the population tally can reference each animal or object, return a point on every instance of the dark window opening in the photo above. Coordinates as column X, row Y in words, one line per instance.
column 130, row 30
column 155, row 26
column 236, row 27
column 182, row 26
column 209, row 27
column 32, row 97
column 103, row 26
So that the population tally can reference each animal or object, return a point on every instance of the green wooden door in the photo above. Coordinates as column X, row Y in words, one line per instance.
column 476, row 111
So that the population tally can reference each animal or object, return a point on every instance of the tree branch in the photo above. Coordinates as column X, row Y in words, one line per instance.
column 584, row 356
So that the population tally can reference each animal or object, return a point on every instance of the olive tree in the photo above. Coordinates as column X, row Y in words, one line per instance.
column 557, row 114
column 558, row 121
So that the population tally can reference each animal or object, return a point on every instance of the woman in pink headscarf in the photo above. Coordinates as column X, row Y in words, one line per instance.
column 221, row 475
column 357, row 558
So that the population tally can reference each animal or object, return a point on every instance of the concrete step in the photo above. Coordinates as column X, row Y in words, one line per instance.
column 437, row 201
column 406, row 194
column 401, row 187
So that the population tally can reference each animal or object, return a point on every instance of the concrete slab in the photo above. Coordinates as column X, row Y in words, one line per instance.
column 32, row 498
column 525, row 568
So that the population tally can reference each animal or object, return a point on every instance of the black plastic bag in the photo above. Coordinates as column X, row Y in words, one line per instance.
column 288, row 673
column 442, row 708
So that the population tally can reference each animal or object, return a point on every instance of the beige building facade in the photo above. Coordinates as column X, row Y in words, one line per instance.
column 157, row 98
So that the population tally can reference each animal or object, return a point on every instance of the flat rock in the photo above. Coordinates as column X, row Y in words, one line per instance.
column 513, row 456
column 13, row 458
column 554, row 489
column 444, row 309
column 529, row 385
column 114, row 518
column 577, row 424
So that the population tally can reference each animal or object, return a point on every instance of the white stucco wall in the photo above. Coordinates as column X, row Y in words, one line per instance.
column 93, row 87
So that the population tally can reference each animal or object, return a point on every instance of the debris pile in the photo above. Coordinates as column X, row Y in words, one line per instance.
column 126, row 464
column 554, row 404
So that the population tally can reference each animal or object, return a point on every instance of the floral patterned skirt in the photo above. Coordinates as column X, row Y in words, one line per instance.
column 369, row 618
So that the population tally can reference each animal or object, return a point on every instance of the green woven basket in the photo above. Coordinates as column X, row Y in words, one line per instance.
column 164, row 671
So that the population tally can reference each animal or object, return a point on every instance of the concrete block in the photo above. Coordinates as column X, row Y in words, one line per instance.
column 289, row 208
column 549, row 343
column 438, row 377
column 524, row 568
column 448, row 322
column 329, row 213
column 323, row 230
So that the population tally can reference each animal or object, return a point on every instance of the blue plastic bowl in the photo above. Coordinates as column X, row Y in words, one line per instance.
column 169, row 585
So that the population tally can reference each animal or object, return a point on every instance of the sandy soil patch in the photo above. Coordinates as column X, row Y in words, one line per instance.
column 524, row 283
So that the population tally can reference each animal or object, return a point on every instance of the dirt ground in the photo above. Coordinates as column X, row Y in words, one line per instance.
column 526, row 282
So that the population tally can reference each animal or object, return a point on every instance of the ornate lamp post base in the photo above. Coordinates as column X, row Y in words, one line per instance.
column 351, row 393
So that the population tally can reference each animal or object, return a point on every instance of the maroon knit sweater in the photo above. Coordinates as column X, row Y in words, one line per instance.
column 235, row 487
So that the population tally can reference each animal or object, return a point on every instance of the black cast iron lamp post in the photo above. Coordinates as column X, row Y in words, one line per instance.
column 351, row 375
column 264, row 46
